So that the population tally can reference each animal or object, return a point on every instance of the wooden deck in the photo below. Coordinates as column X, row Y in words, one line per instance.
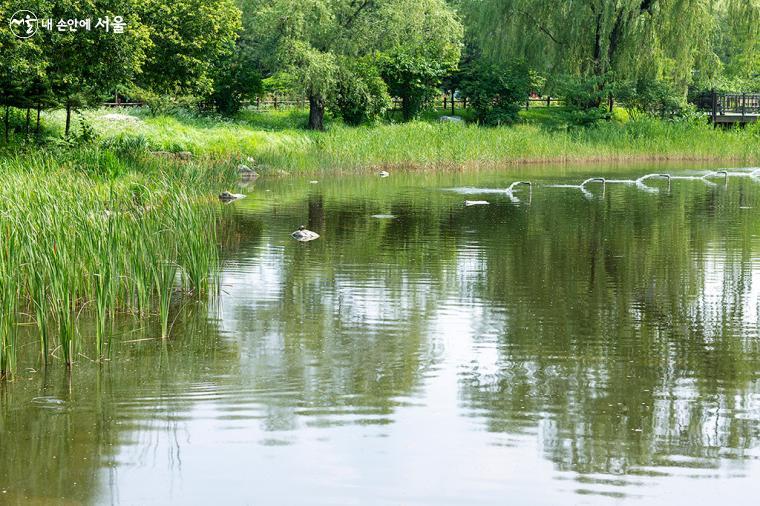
column 733, row 117
column 731, row 108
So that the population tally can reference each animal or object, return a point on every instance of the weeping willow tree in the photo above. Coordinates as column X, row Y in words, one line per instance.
column 605, row 39
column 737, row 45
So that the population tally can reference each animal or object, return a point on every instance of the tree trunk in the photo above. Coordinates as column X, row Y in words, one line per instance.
column 7, row 121
column 68, row 119
column 37, row 128
column 27, row 120
column 406, row 108
column 598, row 64
column 316, row 113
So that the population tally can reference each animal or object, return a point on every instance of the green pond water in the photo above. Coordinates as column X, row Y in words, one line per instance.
column 555, row 347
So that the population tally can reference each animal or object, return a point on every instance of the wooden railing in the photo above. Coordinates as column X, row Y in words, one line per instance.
column 729, row 107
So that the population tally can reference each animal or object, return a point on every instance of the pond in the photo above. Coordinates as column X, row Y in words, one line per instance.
column 556, row 346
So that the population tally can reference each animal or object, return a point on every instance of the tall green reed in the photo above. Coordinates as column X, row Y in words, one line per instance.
column 77, row 244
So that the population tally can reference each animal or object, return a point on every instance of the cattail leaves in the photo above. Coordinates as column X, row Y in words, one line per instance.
column 73, row 247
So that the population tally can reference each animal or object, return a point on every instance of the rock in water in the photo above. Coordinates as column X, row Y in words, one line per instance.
column 304, row 235
column 383, row 173
column 228, row 197
column 247, row 173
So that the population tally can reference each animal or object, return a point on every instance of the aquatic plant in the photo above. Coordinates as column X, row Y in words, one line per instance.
column 75, row 243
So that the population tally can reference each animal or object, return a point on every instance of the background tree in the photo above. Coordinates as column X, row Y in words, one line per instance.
column 422, row 43
column 360, row 94
column 84, row 66
column 598, row 39
column 189, row 39
column 23, row 63
column 236, row 78
column 496, row 92
column 420, row 40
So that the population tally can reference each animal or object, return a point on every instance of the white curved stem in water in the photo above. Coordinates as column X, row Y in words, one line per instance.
column 514, row 185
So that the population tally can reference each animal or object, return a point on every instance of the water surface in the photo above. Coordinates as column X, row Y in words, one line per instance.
column 552, row 347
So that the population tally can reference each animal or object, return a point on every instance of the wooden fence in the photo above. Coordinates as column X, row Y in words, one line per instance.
column 445, row 103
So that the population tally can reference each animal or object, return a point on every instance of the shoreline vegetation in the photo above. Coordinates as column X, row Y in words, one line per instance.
column 280, row 145
column 98, row 235
column 122, row 218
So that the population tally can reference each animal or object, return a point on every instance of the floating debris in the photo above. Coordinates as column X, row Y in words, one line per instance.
column 313, row 182
column 228, row 197
column 304, row 235
column 384, row 216
column 469, row 203
column 383, row 173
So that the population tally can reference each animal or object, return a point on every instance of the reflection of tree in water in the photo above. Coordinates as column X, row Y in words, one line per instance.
column 627, row 339
column 64, row 442
column 346, row 333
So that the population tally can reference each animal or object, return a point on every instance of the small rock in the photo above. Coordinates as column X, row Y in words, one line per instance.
column 383, row 173
column 450, row 119
column 246, row 172
column 304, row 235
column 228, row 197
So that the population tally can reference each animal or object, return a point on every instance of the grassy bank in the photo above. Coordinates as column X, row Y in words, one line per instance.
column 92, row 234
column 277, row 141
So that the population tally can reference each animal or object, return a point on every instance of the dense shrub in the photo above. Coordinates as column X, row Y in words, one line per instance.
column 413, row 78
column 653, row 96
column 495, row 92
column 360, row 93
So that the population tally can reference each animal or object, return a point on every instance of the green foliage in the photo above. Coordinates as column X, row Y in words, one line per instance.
column 360, row 93
column 584, row 98
column 309, row 39
column 280, row 83
column 653, row 96
column 236, row 78
column 420, row 47
column 79, row 241
column 188, row 37
column 595, row 37
column 415, row 79
column 496, row 92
